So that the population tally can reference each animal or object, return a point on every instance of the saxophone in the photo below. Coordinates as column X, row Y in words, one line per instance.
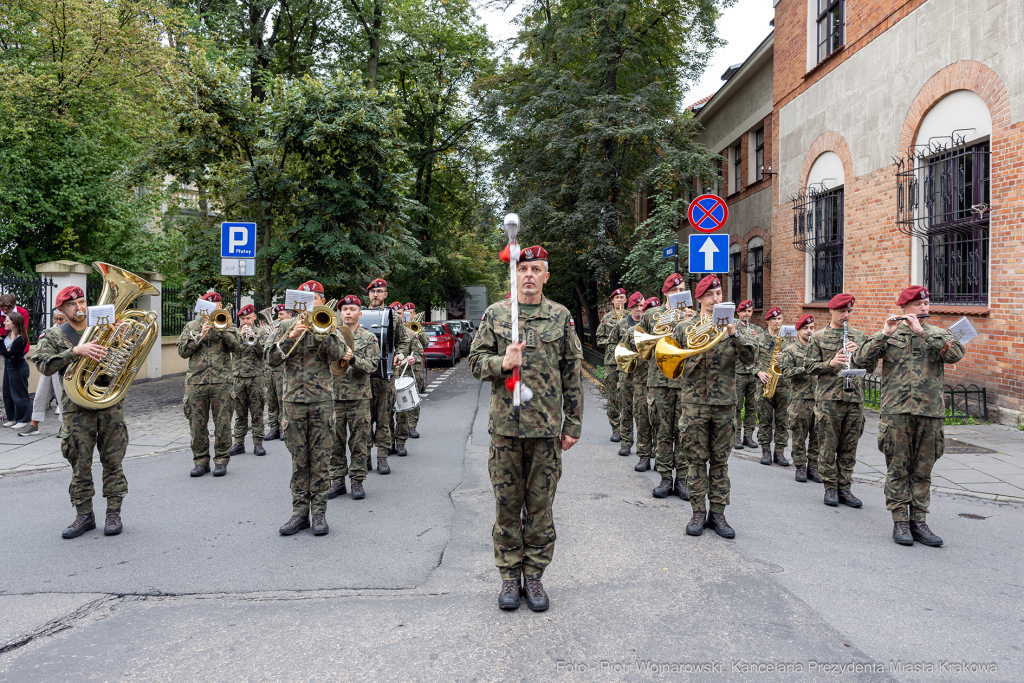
column 774, row 371
column 98, row 384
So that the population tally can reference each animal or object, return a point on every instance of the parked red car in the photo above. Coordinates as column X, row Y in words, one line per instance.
column 444, row 345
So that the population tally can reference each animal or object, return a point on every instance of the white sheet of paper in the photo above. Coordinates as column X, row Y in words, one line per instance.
column 680, row 300
column 100, row 315
column 724, row 313
column 963, row 330
column 205, row 307
column 296, row 300
column 788, row 331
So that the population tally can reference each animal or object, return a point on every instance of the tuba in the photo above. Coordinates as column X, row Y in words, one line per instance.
column 774, row 371
column 701, row 337
column 99, row 384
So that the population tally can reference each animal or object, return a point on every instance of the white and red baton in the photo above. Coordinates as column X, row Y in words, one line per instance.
column 520, row 393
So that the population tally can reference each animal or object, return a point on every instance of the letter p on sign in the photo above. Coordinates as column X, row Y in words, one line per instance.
column 238, row 240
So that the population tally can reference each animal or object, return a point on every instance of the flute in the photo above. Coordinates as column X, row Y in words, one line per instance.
column 897, row 318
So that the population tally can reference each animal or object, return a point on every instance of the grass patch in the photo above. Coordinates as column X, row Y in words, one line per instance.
column 598, row 372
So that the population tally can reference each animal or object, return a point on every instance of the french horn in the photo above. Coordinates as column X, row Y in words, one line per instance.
column 701, row 337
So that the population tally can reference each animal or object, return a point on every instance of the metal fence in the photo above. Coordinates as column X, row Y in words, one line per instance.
column 31, row 292
column 961, row 401
column 175, row 311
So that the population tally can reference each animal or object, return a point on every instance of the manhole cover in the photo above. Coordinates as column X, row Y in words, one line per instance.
column 968, row 515
column 958, row 446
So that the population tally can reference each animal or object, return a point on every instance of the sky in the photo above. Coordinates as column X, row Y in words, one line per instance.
column 743, row 26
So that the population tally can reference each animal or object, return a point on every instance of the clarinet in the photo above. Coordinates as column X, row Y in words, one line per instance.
column 849, row 360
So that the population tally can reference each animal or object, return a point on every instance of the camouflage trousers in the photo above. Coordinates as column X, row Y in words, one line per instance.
column 382, row 407
column 352, row 429
column 773, row 419
column 841, row 424
column 802, row 424
column 200, row 401
column 665, row 409
column 634, row 409
column 274, row 385
column 911, row 445
column 748, row 391
column 399, row 424
column 524, row 474
column 309, row 435
column 84, row 430
column 613, row 392
column 707, row 440
column 248, row 397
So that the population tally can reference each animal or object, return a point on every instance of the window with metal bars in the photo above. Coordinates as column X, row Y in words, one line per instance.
column 831, row 17
column 734, row 274
column 827, row 263
column 755, row 257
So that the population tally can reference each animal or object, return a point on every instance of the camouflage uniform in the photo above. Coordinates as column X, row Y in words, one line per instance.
column 419, row 342
column 382, row 403
column 801, row 405
column 525, row 461
column 612, row 377
column 352, row 409
column 772, row 413
column 664, row 408
column 838, row 414
column 633, row 389
column 83, row 429
column 249, row 371
column 273, row 379
column 308, row 422
column 707, row 422
column 208, row 389
column 748, row 386
column 910, row 433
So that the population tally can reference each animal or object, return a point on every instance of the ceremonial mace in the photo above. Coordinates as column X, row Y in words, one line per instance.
column 520, row 394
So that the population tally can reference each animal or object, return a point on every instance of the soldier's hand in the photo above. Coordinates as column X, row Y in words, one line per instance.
column 206, row 329
column 839, row 359
column 513, row 356
column 568, row 441
column 731, row 329
column 90, row 350
column 763, row 376
column 915, row 325
column 298, row 329
column 688, row 313
column 410, row 360
column 348, row 354
column 889, row 328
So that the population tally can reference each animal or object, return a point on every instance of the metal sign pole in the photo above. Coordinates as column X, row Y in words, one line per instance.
column 677, row 257
column 238, row 296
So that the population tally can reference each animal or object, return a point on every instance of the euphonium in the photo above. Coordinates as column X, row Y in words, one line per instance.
column 321, row 321
column 701, row 337
column 774, row 371
column 98, row 384
column 340, row 367
column 625, row 358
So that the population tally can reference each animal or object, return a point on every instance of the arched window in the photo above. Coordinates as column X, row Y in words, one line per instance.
column 818, row 211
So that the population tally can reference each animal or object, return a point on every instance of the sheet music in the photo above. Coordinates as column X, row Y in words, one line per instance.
column 724, row 313
column 299, row 301
column 788, row 331
column 680, row 300
column 963, row 330
column 100, row 315
column 205, row 307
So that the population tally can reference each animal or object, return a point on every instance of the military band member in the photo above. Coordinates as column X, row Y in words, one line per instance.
column 249, row 370
column 273, row 377
column 612, row 376
column 838, row 413
column 382, row 403
column 400, row 420
column 664, row 407
column 801, row 402
column 623, row 391
column 748, row 385
column 352, row 404
column 708, row 417
column 419, row 342
column 633, row 389
column 910, row 433
column 525, row 461
column 308, row 410
column 772, row 413
column 83, row 428
column 208, row 384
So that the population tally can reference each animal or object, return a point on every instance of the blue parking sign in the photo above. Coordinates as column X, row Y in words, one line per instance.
column 238, row 240
column 709, row 253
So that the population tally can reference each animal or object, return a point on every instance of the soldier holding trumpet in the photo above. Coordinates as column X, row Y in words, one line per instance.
column 247, row 393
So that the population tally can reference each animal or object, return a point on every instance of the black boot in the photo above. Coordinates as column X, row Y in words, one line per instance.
column 615, row 437
column 413, row 434
column 680, row 488
column 320, row 527
column 337, row 489
column 81, row 524
column 664, row 488
column 749, row 442
column 696, row 525
column 508, row 596
column 780, row 457
column 401, row 450
column 922, row 534
column 766, row 456
column 901, row 533
column 237, row 448
column 643, row 465
column 716, row 522
column 113, row 526
column 199, row 470
column 624, row 450
column 220, row 469
column 536, row 598
column 392, row 450
column 801, row 474
column 272, row 434
column 812, row 474
column 258, row 449
column 382, row 465
column 847, row 498
column 831, row 498
column 294, row 525
column 357, row 490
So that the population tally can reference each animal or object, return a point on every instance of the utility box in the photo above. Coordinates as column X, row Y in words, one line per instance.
column 476, row 304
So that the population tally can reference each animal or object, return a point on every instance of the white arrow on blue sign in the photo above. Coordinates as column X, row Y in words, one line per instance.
column 668, row 252
column 238, row 240
column 709, row 253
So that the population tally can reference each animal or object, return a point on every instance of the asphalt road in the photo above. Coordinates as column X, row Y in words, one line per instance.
column 201, row 587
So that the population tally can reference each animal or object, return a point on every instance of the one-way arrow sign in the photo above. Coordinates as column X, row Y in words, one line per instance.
column 709, row 253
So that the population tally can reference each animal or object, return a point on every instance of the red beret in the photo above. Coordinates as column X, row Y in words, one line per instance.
column 211, row 296
column 804, row 320
column 915, row 293
column 709, row 282
column 311, row 286
column 378, row 283
column 650, row 303
column 772, row 312
column 248, row 309
column 396, row 306
column 278, row 308
column 618, row 291
column 842, row 301
column 671, row 281
column 637, row 298
column 67, row 294
column 744, row 305
column 410, row 306
column 349, row 300
column 534, row 253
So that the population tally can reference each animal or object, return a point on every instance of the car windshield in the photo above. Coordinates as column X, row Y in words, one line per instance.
column 434, row 330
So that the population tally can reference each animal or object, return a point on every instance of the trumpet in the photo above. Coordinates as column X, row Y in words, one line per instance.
column 248, row 335
column 700, row 338
column 321, row 320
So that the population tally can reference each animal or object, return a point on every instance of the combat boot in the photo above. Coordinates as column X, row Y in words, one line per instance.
column 831, row 498
column 337, row 489
column 508, row 597
column 766, row 456
column 320, row 527
column 272, row 434
column 81, row 524
column 357, row 490
column 237, row 448
column 413, row 434
column 922, row 534
column 199, row 470
column 696, row 525
column 294, row 525
column 401, row 450
column 680, row 488
column 258, row 449
column 382, row 465
column 615, row 437
column 901, row 533
column 664, row 488
column 536, row 598
column 812, row 474
column 780, row 457
column 113, row 526
column 220, row 469
column 716, row 522
column 749, row 442
column 624, row 450
column 847, row 498
column 392, row 449
column 643, row 465
column 801, row 474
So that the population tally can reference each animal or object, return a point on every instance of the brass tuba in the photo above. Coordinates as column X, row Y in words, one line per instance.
column 98, row 384
column 774, row 371
column 701, row 337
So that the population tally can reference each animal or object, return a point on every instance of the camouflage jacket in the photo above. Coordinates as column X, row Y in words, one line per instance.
column 418, row 343
column 655, row 377
column 800, row 384
column 307, row 372
column 755, row 333
column 355, row 383
column 250, row 361
column 710, row 378
column 604, row 331
column 829, row 386
column 53, row 354
column 765, row 346
column 209, row 361
column 913, row 368
column 269, row 340
column 552, row 369
column 623, row 332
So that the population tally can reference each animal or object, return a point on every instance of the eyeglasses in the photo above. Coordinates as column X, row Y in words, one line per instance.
column 378, row 291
